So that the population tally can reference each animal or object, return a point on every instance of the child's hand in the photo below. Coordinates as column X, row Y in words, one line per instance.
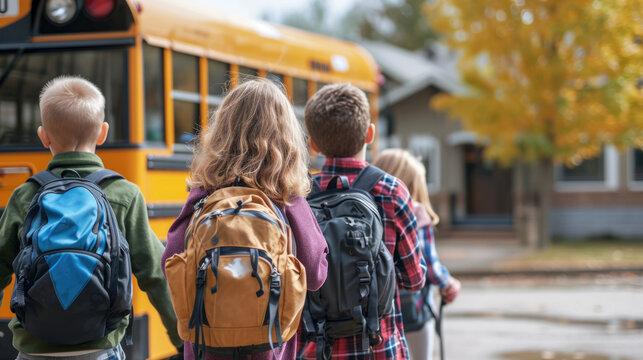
column 452, row 290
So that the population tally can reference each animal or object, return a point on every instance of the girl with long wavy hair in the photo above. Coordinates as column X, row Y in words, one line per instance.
column 255, row 138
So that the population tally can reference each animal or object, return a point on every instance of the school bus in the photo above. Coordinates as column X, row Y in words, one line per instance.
column 163, row 66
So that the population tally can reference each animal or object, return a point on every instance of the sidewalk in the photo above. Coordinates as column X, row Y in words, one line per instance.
column 542, row 313
column 487, row 257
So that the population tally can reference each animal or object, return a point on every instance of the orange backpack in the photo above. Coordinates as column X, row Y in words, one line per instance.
column 237, row 288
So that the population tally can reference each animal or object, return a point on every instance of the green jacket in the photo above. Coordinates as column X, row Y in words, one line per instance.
column 145, row 251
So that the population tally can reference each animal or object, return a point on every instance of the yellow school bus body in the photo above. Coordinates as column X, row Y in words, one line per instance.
column 196, row 29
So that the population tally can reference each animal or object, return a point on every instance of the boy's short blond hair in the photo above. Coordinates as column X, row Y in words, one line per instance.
column 337, row 118
column 72, row 110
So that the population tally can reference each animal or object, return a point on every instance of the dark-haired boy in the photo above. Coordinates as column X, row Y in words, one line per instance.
column 338, row 122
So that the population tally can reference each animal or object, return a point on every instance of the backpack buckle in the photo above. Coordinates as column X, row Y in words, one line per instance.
column 201, row 275
column 200, row 203
column 362, row 272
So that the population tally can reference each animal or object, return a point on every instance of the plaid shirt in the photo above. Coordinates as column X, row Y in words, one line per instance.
column 438, row 273
column 401, row 240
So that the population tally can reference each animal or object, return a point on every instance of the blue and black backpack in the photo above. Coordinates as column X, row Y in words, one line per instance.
column 73, row 271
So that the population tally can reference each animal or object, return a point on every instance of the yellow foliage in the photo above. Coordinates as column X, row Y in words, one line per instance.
column 546, row 78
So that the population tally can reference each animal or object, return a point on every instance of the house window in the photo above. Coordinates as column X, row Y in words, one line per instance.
column 598, row 173
column 428, row 149
column 588, row 170
column 636, row 169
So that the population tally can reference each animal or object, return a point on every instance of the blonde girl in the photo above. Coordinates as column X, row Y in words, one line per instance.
column 403, row 165
column 255, row 138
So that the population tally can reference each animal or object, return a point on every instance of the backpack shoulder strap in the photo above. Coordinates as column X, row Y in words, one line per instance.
column 368, row 178
column 315, row 187
column 99, row 176
column 43, row 177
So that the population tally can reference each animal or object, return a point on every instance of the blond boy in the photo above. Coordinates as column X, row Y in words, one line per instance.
column 73, row 111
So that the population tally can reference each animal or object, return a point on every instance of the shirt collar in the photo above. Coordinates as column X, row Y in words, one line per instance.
column 75, row 159
column 343, row 165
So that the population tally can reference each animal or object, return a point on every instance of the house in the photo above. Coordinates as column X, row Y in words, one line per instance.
column 599, row 197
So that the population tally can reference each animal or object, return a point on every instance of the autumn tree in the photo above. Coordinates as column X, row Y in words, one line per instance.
column 548, row 80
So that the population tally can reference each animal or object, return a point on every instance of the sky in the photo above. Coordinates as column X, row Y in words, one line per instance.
column 276, row 9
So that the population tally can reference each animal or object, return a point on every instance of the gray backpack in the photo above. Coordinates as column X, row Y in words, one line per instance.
column 360, row 287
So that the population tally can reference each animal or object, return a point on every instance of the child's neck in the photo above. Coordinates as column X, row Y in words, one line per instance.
column 361, row 155
column 62, row 149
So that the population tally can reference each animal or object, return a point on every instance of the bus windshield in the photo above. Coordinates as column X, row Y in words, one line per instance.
column 19, row 93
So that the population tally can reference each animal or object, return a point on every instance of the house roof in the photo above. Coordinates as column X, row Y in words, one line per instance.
column 414, row 71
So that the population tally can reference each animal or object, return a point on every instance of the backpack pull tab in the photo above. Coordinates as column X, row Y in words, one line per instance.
column 71, row 172
column 254, row 261
column 214, row 265
column 327, row 213
column 200, row 203
column 238, row 208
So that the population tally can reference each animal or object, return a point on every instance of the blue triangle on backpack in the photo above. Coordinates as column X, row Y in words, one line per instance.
column 70, row 273
column 70, row 220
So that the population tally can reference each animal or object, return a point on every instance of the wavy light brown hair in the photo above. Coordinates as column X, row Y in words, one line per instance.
column 406, row 167
column 254, row 136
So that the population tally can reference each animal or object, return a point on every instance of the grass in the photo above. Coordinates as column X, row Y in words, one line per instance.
column 581, row 255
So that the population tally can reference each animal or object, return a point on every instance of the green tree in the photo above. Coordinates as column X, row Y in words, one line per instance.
column 314, row 18
column 401, row 23
column 549, row 80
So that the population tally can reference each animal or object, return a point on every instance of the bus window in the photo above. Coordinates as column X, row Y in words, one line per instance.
column 153, row 77
column 299, row 92
column 218, row 84
column 218, row 77
column 320, row 85
column 276, row 78
column 247, row 73
column 19, row 109
column 186, row 96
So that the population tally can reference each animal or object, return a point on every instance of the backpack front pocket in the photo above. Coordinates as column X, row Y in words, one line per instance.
column 237, row 292
column 175, row 272
column 67, row 303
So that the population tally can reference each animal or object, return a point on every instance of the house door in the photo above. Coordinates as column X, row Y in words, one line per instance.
column 488, row 186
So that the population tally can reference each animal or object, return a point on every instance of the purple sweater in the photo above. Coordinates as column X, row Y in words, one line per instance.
column 311, row 252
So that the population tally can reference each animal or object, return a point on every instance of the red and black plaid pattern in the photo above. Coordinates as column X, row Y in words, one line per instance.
column 401, row 240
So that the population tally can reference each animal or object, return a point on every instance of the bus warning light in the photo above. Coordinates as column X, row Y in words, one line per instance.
column 99, row 8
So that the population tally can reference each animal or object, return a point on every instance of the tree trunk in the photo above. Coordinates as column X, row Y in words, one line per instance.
column 545, row 184
column 520, row 205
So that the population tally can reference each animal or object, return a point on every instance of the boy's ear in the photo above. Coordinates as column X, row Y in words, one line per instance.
column 44, row 137
column 313, row 145
column 104, row 129
column 370, row 133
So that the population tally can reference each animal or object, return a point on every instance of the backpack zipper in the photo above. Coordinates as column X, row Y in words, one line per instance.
column 37, row 201
column 255, row 214
column 351, row 196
